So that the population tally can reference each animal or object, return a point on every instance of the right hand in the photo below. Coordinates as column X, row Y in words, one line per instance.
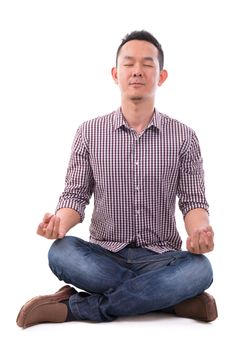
column 51, row 227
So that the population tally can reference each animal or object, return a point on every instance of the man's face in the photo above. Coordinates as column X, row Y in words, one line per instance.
column 138, row 72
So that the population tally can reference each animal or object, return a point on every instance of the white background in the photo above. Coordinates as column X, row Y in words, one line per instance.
column 55, row 63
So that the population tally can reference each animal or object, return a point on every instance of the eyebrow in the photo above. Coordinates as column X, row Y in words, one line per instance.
column 147, row 58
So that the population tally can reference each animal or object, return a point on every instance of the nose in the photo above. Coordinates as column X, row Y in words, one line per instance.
column 137, row 75
column 137, row 71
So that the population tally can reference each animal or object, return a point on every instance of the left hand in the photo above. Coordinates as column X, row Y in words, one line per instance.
column 201, row 241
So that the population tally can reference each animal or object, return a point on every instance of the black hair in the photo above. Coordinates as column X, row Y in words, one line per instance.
column 145, row 36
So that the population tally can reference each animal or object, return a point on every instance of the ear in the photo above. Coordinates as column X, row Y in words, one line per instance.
column 163, row 77
column 114, row 74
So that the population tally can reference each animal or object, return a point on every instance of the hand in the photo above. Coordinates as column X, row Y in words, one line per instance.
column 201, row 241
column 50, row 227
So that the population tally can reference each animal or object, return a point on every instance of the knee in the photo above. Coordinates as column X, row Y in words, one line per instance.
column 202, row 270
column 60, row 249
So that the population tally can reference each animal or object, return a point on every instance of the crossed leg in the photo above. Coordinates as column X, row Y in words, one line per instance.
column 119, row 289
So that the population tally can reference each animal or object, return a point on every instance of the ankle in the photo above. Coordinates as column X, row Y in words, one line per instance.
column 70, row 317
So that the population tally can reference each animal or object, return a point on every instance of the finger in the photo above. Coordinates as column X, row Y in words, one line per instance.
column 203, row 243
column 190, row 247
column 49, row 232
column 188, row 244
column 209, row 229
column 194, row 241
column 40, row 228
column 210, row 240
column 47, row 217
column 56, row 227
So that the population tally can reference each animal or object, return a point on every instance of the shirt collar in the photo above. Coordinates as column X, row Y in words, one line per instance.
column 119, row 120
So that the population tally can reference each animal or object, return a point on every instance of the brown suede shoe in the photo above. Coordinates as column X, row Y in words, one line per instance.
column 202, row 307
column 46, row 308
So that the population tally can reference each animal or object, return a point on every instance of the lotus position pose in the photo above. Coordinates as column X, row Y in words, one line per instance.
column 135, row 161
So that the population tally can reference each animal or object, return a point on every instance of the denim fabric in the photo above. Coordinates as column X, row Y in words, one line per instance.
column 130, row 282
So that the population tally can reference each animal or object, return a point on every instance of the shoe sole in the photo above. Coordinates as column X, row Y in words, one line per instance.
column 62, row 294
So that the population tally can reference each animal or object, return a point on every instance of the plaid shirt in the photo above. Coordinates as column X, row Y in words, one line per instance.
column 135, row 179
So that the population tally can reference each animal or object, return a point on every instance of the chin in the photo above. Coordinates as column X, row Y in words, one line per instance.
column 136, row 98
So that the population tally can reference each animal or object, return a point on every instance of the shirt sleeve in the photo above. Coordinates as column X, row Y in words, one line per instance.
column 79, row 182
column 191, row 188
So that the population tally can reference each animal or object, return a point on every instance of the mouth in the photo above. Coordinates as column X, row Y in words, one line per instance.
column 136, row 84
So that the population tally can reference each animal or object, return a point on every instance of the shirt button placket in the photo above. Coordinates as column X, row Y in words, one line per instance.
column 137, row 194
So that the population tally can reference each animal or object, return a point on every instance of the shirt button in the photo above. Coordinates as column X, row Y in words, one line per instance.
column 136, row 162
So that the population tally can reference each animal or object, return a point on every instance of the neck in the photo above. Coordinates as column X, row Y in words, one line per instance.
column 138, row 115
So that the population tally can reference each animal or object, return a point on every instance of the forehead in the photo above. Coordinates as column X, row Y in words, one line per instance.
column 138, row 49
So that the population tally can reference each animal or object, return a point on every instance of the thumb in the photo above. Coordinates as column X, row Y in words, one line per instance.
column 189, row 245
column 189, row 242
column 62, row 233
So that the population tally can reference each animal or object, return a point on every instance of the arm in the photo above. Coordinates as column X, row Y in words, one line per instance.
column 77, row 193
column 200, row 234
column 192, row 199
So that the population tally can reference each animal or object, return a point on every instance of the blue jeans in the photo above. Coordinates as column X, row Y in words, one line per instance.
column 130, row 282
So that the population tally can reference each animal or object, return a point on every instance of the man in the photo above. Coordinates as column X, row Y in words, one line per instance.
column 135, row 161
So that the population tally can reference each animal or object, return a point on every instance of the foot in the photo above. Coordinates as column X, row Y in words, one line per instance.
column 47, row 308
column 202, row 307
